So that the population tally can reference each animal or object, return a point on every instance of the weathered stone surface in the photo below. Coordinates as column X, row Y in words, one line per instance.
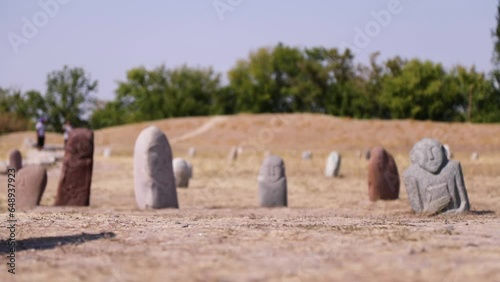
column 333, row 163
column 154, row 181
column 433, row 182
column 190, row 169
column 181, row 172
column 233, row 154
column 272, row 183
column 30, row 185
column 192, row 152
column 383, row 176
column 307, row 155
column 15, row 160
column 76, row 174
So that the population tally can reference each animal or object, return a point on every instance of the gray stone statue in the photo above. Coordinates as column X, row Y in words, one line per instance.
column 181, row 172
column 433, row 182
column 333, row 165
column 272, row 183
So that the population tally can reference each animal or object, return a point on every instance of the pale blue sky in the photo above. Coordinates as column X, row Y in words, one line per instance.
column 109, row 37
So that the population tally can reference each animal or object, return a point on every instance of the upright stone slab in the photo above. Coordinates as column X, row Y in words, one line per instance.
column 474, row 156
column 15, row 160
column 306, row 155
column 383, row 176
column 154, row 181
column 433, row 182
column 272, row 183
column 367, row 154
column 106, row 152
column 76, row 174
column 233, row 154
column 31, row 181
column 333, row 162
column 181, row 173
column 192, row 152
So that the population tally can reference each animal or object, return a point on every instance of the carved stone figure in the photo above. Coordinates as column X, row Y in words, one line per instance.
column 154, row 179
column 433, row 182
column 272, row 182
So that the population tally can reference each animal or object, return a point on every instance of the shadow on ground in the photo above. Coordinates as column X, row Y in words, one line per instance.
column 46, row 243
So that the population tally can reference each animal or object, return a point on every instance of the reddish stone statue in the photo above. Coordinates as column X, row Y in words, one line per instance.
column 383, row 176
column 15, row 160
column 76, row 174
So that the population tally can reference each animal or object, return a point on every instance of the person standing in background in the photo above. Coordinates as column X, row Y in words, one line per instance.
column 40, row 133
column 67, row 129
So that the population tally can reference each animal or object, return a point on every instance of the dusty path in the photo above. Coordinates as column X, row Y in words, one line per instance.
column 200, row 130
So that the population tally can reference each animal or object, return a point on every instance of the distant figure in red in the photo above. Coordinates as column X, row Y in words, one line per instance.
column 40, row 133
column 67, row 129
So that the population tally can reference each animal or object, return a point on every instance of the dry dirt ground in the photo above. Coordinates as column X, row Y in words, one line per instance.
column 329, row 232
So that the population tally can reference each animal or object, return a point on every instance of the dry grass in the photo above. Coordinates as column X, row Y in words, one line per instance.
column 329, row 232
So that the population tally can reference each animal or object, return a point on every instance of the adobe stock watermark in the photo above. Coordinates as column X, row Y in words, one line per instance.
column 30, row 27
column 373, row 28
column 223, row 6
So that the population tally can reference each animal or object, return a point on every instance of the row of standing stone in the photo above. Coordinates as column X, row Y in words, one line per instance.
column 434, row 183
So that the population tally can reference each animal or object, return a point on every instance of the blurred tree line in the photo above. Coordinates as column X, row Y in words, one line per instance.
column 278, row 79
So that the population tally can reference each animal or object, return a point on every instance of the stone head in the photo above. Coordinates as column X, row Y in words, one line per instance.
column 273, row 169
column 428, row 154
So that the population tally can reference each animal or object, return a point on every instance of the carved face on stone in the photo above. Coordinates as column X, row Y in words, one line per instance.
column 273, row 169
column 429, row 155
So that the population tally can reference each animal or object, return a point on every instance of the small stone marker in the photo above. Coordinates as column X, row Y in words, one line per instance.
column 181, row 173
column 15, row 160
column 76, row 174
column 433, row 182
column 333, row 162
column 154, row 181
column 383, row 176
column 106, row 152
column 192, row 152
column 30, row 185
column 272, row 183
column 233, row 154
column 474, row 156
column 306, row 155
column 367, row 154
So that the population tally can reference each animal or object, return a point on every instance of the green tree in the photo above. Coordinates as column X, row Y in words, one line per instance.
column 421, row 90
column 163, row 93
column 68, row 97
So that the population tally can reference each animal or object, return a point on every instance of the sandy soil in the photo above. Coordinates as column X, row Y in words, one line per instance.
column 329, row 232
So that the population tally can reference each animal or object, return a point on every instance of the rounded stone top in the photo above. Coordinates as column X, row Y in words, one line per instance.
column 180, row 164
column 81, row 143
column 272, row 169
column 429, row 154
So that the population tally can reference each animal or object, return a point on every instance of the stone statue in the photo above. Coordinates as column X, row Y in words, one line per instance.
column 272, row 183
column 433, row 182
